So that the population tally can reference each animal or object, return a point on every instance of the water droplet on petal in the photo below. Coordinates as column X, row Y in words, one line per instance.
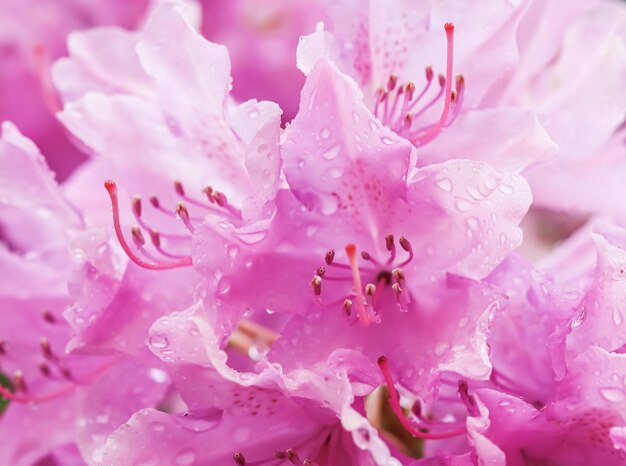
column 441, row 348
column 612, row 394
column 223, row 286
column 462, row 205
column 506, row 189
column 157, row 426
column 445, row 184
column 159, row 341
column 331, row 153
column 388, row 141
column 325, row 133
column 233, row 250
column 185, row 458
column 618, row 318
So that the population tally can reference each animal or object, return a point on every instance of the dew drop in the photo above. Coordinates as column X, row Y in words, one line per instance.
column 185, row 457
column 614, row 395
column 618, row 318
column 388, row 141
column 441, row 348
column 332, row 153
column 506, row 189
column 242, row 434
column 157, row 426
column 159, row 341
column 224, row 286
column 445, row 184
column 462, row 205
column 233, row 250
column 325, row 133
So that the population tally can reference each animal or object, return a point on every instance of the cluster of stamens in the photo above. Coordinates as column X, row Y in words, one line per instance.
column 399, row 107
column 419, row 425
column 290, row 455
column 51, row 366
column 384, row 274
column 162, row 259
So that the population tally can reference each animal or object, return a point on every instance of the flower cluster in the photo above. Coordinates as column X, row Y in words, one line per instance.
column 412, row 254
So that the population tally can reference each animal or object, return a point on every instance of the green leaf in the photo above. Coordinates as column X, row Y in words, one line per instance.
column 6, row 383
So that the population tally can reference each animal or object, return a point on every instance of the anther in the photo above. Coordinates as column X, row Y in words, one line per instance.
column 429, row 73
column 3, row 347
column 178, row 187
column 209, row 193
column 280, row 454
column 389, row 243
column 391, row 84
column 330, row 256
column 49, row 317
column 404, row 243
column 397, row 289
column 154, row 201
column 366, row 255
column 347, row 307
column 44, row 369
column 46, row 348
column 398, row 275
column 155, row 238
column 409, row 89
column 442, row 80
column 239, row 459
column 183, row 214
column 370, row 289
column 136, row 206
column 137, row 236
column 293, row 457
column 220, row 198
column 18, row 382
column 321, row 271
column 316, row 283
column 467, row 399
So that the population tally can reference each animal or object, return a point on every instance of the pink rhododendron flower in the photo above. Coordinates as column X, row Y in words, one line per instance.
column 33, row 35
column 332, row 276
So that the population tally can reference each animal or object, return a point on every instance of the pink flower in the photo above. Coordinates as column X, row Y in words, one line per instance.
column 33, row 35
column 577, row 429
column 47, row 418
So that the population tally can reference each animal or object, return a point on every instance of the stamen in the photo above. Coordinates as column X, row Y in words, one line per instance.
column 406, row 245
column 316, row 283
column 257, row 331
column 370, row 293
column 347, row 307
column 330, row 256
column 467, row 399
column 18, row 382
column 111, row 188
column 356, row 276
column 183, row 214
column 293, row 457
column 136, row 206
column 394, row 401
column 46, row 349
column 48, row 317
column 391, row 247
column 45, row 369
column 239, row 459
column 435, row 130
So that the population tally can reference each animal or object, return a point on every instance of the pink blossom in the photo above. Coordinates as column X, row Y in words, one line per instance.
column 33, row 35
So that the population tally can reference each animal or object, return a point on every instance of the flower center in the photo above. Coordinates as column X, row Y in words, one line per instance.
column 381, row 275
column 400, row 108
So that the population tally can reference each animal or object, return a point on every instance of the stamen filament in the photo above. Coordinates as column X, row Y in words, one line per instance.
column 394, row 401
